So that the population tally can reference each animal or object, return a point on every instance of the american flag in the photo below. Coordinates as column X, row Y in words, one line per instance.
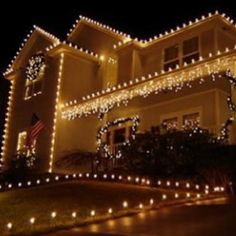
column 36, row 127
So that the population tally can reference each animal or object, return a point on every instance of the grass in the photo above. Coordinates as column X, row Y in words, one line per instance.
column 18, row 206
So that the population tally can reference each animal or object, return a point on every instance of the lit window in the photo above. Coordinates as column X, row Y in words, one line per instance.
column 170, row 123
column 21, row 140
column 34, row 87
column 21, row 144
column 171, row 57
column 190, row 50
column 119, row 135
column 191, row 120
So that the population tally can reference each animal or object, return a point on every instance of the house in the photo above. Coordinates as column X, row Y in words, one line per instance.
column 101, row 85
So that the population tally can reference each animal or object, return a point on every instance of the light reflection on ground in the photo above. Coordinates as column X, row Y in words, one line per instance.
column 205, row 218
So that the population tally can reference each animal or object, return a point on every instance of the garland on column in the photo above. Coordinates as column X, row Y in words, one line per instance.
column 232, row 81
column 105, row 148
column 224, row 132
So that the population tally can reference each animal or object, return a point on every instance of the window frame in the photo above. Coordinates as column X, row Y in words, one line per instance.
column 173, row 60
column 181, row 113
column 181, row 56
column 32, row 85
column 19, row 148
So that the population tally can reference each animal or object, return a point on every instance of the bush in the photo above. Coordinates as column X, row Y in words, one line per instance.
column 21, row 166
column 189, row 153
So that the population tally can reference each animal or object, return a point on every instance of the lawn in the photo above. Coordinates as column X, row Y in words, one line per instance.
column 18, row 206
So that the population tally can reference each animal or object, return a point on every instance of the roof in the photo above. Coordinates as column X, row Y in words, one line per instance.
column 178, row 29
column 54, row 41
column 123, row 38
column 97, row 25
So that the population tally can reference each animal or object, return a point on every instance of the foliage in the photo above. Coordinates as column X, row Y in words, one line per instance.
column 185, row 154
column 21, row 166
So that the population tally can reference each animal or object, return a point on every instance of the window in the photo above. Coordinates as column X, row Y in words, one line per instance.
column 190, row 50
column 119, row 135
column 170, row 123
column 21, row 144
column 191, row 120
column 34, row 87
column 171, row 57
column 108, row 138
column 21, row 140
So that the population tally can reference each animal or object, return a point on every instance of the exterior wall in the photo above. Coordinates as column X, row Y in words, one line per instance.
column 226, row 36
column 42, row 105
column 209, row 100
column 98, row 41
column 80, row 77
column 125, row 59
column 35, row 44
column 150, row 59
column 152, row 115
column 78, row 134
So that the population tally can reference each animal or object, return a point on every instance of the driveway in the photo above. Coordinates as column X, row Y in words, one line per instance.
column 206, row 218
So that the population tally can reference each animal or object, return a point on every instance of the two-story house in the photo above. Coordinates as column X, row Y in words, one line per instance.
column 102, row 85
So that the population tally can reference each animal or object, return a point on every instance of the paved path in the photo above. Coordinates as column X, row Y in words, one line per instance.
column 208, row 218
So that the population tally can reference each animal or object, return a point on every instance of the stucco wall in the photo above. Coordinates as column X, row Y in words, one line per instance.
column 42, row 105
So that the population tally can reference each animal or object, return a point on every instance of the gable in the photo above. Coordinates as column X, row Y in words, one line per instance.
column 96, row 37
column 37, row 42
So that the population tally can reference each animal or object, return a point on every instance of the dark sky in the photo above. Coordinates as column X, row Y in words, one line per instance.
column 140, row 18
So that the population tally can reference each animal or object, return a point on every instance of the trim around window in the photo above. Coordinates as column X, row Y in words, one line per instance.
column 181, row 53
column 35, row 87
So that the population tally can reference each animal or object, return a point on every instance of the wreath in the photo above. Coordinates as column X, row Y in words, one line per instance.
column 34, row 67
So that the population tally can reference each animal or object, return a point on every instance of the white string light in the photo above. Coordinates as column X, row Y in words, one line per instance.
column 175, row 81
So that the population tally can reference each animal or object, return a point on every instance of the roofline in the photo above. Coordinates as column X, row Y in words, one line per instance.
column 102, row 27
column 38, row 29
column 172, row 32
column 80, row 106
column 147, row 78
column 52, row 50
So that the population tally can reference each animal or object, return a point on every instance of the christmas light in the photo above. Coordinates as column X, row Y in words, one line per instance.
column 151, row 201
column 61, row 62
column 53, row 214
column 164, row 196
column 124, row 37
column 9, row 225
column 54, row 40
column 32, row 220
column 74, row 214
column 125, row 204
column 93, row 213
column 170, row 81
column 104, row 129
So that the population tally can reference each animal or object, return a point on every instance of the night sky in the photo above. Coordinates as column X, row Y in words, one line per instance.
column 141, row 19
